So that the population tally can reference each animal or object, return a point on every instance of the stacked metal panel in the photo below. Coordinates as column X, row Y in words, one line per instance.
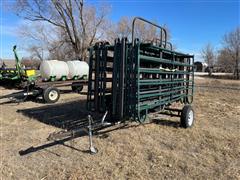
column 100, row 76
column 133, row 79
column 163, row 76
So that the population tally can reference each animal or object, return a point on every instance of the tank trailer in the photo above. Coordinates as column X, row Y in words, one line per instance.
column 53, row 75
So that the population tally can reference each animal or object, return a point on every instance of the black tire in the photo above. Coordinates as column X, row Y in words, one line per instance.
column 77, row 88
column 187, row 117
column 51, row 95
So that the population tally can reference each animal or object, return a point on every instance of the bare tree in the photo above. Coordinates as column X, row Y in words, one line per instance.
column 121, row 29
column 231, row 42
column 31, row 63
column 143, row 31
column 79, row 25
column 37, row 52
column 39, row 38
column 209, row 57
column 225, row 61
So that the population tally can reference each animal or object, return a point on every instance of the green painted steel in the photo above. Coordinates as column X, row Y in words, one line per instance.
column 143, row 77
column 161, row 60
column 163, row 82
column 18, row 74
column 160, row 71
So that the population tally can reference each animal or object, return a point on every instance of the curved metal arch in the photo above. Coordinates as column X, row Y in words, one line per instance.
column 163, row 30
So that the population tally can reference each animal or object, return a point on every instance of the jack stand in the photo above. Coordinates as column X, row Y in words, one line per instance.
column 92, row 149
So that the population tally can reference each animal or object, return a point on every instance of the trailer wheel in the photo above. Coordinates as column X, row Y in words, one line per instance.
column 51, row 95
column 187, row 117
column 77, row 88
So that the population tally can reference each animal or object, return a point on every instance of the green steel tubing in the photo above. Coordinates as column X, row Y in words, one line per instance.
column 138, row 73
column 162, row 93
column 159, row 82
column 161, row 60
column 168, row 88
column 159, row 71
column 157, row 103
column 162, row 90
column 146, row 46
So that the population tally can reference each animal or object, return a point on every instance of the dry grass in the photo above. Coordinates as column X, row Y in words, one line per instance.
column 160, row 150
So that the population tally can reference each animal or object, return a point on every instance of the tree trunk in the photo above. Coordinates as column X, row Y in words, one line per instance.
column 237, row 64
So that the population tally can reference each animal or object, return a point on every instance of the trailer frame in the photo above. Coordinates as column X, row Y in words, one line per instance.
column 46, row 90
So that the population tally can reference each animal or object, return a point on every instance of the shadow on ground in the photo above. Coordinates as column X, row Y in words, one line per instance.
column 72, row 116
column 50, row 144
column 165, row 122
column 69, row 116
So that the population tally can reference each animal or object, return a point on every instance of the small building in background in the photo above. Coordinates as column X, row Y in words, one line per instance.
column 200, row 66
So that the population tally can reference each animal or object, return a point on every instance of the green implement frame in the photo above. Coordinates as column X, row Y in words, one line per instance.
column 131, row 79
column 17, row 74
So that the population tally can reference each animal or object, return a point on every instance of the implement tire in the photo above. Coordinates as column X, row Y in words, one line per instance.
column 51, row 95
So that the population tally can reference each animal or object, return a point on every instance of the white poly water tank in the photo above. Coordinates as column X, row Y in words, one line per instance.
column 53, row 68
column 77, row 69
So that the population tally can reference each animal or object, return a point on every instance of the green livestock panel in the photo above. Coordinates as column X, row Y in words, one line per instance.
column 162, row 78
column 132, row 79
column 100, row 76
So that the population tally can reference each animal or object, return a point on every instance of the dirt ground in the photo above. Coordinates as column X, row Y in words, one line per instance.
column 157, row 150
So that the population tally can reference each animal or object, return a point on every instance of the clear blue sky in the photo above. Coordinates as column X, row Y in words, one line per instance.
column 192, row 23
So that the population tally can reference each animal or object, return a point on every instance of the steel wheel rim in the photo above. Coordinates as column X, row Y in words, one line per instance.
column 190, row 118
column 53, row 95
